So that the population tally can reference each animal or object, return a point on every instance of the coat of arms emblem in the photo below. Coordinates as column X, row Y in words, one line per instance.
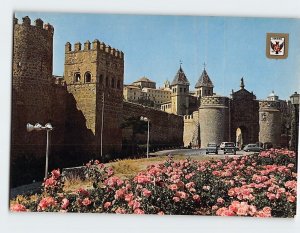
column 277, row 45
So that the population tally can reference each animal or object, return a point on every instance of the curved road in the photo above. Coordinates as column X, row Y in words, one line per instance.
column 195, row 152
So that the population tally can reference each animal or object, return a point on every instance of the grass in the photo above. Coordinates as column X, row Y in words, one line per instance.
column 128, row 168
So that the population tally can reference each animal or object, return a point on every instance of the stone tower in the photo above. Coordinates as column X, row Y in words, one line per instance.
column 213, row 119
column 31, row 84
column 180, row 93
column 94, row 76
column 270, row 122
column 204, row 86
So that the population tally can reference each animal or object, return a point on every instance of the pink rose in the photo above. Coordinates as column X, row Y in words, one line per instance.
column 50, row 182
column 86, row 201
column 173, row 187
column 196, row 197
column 139, row 211
column 65, row 203
column 119, row 193
column 107, row 204
column 220, row 200
column 18, row 208
column 291, row 199
column 128, row 197
column 176, row 199
column 120, row 211
column 55, row 173
column 146, row 192
column 45, row 203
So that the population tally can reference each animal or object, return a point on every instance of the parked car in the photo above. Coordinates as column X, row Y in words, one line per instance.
column 229, row 147
column 212, row 148
column 253, row 148
column 222, row 145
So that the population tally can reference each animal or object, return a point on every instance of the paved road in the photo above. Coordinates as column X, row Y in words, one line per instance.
column 194, row 152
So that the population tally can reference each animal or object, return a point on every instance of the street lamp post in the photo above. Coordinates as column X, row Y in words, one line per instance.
column 38, row 127
column 295, row 124
column 148, row 134
column 287, row 127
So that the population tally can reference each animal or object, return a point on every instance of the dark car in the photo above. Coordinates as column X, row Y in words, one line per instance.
column 229, row 147
column 212, row 148
column 253, row 148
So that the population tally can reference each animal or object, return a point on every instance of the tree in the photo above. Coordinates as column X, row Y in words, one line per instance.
column 137, row 126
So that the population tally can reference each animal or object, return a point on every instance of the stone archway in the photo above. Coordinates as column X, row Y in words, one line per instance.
column 240, row 135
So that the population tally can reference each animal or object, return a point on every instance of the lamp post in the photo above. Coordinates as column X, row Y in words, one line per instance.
column 102, row 124
column 295, row 124
column 38, row 127
column 148, row 135
column 287, row 127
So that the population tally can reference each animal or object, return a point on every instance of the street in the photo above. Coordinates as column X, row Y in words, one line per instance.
column 195, row 152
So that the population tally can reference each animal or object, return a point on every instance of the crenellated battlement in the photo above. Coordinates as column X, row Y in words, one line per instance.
column 95, row 45
column 38, row 23
column 264, row 105
column 214, row 100
column 188, row 117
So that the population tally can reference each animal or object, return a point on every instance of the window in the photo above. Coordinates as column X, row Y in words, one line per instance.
column 119, row 84
column 101, row 79
column 113, row 83
column 184, row 90
column 180, row 89
column 107, row 82
column 77, row 77
column 88, row 77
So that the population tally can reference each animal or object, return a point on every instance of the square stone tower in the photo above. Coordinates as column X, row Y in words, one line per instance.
column 94, row 76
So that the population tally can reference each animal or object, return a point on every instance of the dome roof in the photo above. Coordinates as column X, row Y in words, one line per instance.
column 272, row 94
column 144, row 79
column 180, row 78
column 204, row 80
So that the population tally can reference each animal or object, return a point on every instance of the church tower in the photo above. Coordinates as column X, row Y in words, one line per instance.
column 204, row 86
column 180, row 93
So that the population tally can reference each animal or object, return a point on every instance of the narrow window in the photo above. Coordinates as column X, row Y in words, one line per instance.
column 119, row 84
column 88, row 77
column 77, row 77
column 107, row 82
column 113, row 82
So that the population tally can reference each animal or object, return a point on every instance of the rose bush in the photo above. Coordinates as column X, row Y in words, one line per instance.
column 258, row 185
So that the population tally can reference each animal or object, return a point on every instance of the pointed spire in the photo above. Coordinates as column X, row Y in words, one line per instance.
column 180, row 78
column 242, row 83
column 204, row 80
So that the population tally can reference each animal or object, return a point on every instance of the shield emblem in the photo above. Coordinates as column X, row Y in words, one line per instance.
column 277, row 45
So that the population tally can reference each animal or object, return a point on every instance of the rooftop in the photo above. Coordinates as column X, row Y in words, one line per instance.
column 204, row 80
column 180, row 78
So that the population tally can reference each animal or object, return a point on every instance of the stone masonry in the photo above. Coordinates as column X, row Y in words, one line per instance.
column 89, row 96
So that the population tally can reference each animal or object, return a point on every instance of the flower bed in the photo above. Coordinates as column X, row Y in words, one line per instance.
column 259, row 185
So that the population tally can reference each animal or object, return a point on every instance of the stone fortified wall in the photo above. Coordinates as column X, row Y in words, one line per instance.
column 214, row 119
column 191, row 132
column 165, row 129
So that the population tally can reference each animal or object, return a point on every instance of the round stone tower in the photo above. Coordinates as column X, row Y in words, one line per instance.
column 214, row 119
column 269, row 122
column 31, row 83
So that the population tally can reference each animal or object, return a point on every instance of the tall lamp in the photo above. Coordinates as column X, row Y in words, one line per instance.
column 295, row 123
column 148, row 135
column 38, row 127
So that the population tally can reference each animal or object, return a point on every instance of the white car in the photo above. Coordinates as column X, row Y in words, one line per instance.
column 223, row 144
